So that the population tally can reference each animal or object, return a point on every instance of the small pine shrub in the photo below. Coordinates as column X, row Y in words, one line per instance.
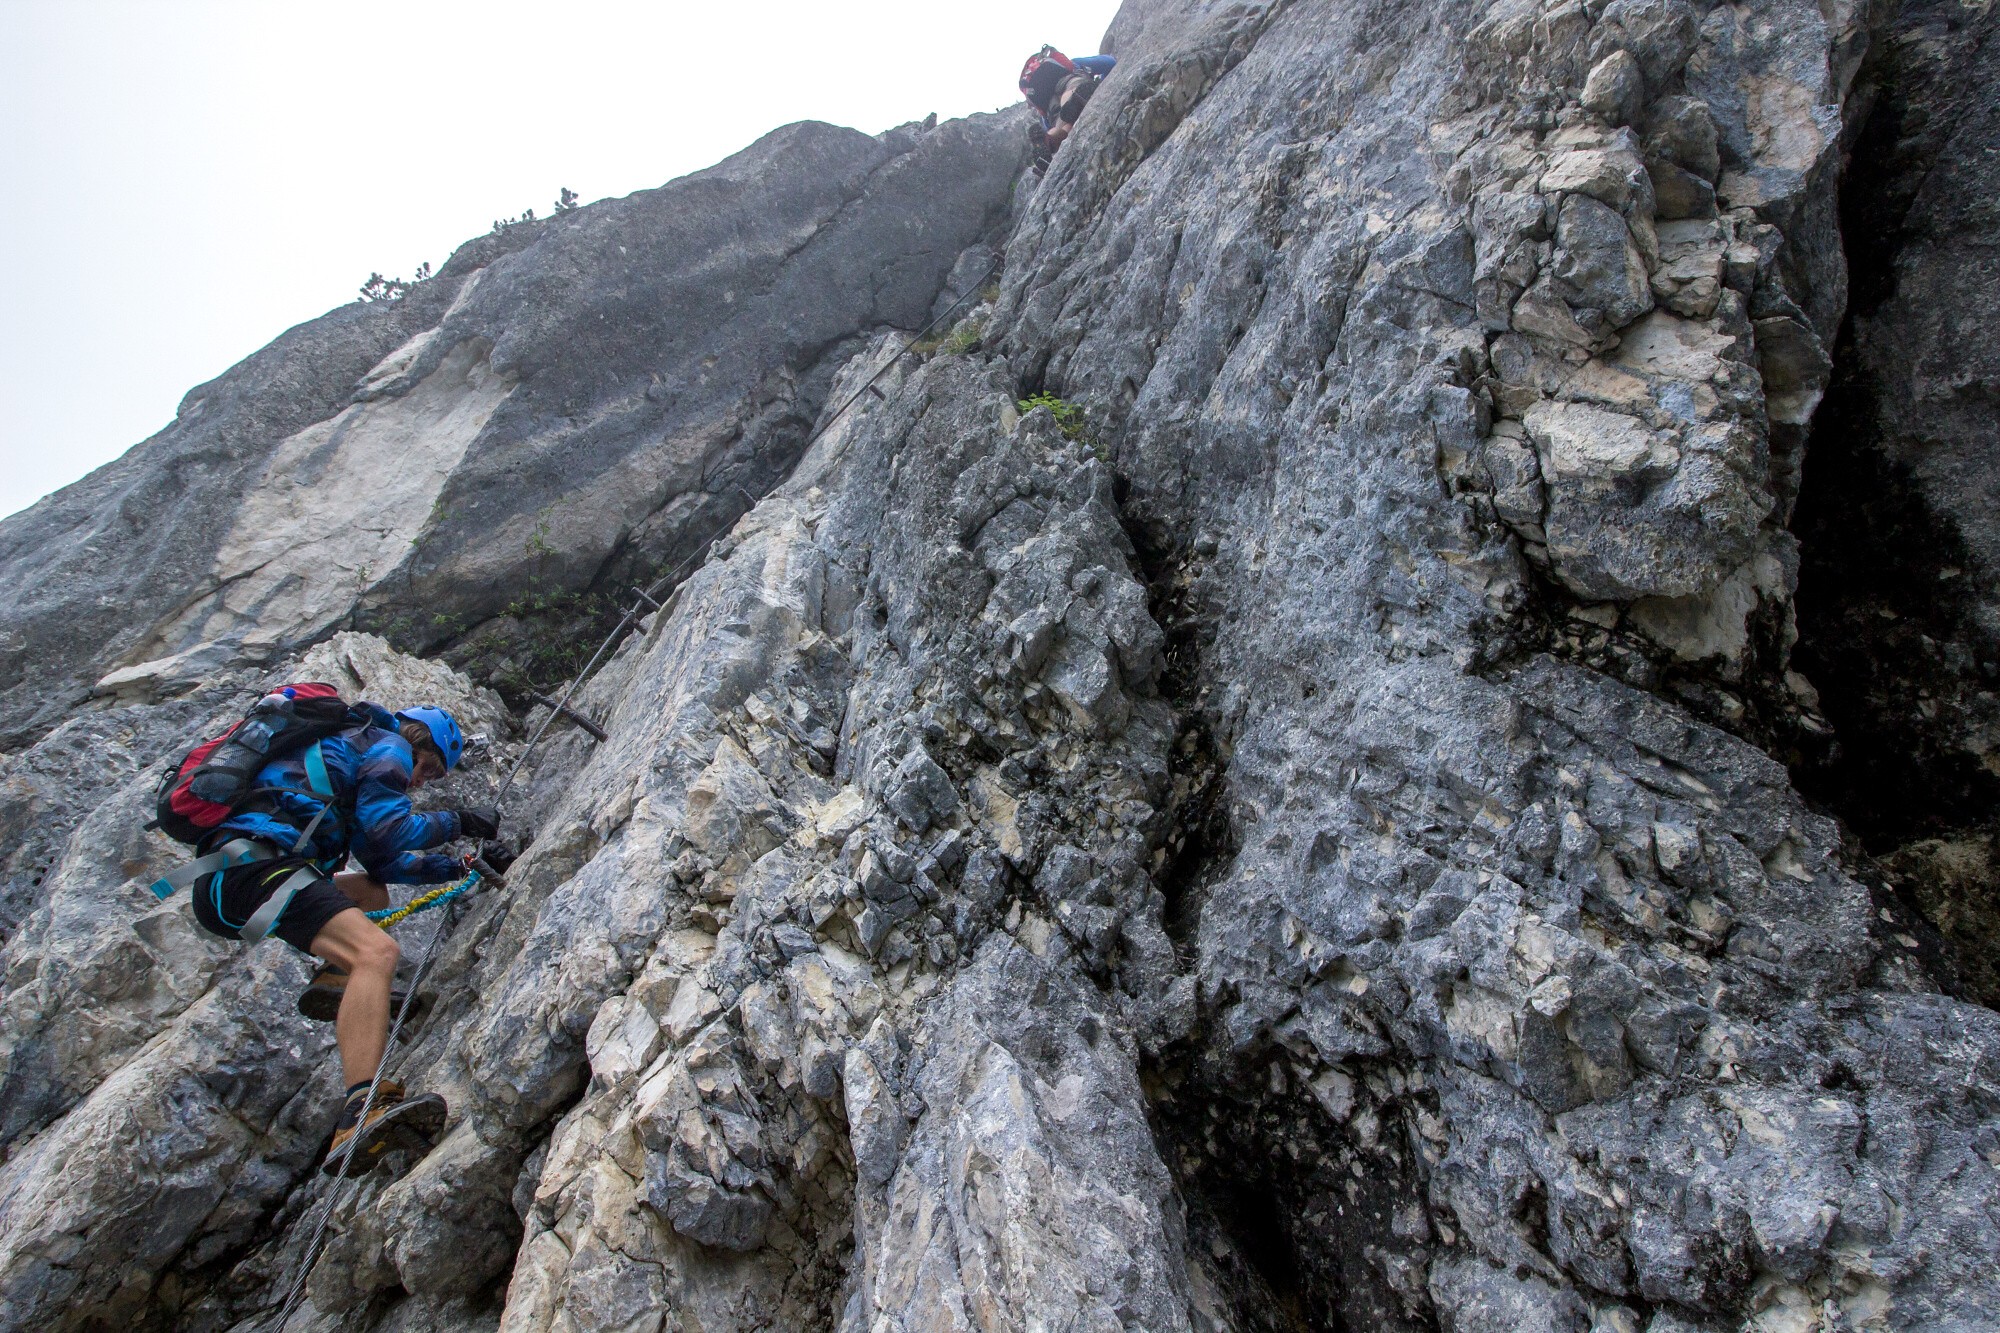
column 379, row 288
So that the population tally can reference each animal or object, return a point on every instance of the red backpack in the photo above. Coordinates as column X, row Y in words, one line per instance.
column 1043, row 75
column 215, row 777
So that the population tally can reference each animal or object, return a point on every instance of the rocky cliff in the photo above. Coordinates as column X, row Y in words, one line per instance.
column 1254, row 785
column 1899, row 614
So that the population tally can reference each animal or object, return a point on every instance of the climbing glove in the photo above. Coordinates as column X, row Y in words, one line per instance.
column 480, row 821
column 497, row 854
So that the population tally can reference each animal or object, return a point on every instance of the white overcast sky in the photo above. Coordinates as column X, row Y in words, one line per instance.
column 188, row 178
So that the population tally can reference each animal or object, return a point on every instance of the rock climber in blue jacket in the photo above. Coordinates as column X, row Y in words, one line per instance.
column 1059, row 88
column 370, row 770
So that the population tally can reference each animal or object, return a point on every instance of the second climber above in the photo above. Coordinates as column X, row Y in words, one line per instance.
column 1059, row 88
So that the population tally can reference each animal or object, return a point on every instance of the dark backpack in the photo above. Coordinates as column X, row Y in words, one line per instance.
column 216, row 776
column 1044, row 74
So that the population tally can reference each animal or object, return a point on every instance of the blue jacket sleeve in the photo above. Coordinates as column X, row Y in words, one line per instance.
column 389, row 835
column 1098, row 66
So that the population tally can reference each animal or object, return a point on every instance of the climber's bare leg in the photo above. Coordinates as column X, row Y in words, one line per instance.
column 368, row 955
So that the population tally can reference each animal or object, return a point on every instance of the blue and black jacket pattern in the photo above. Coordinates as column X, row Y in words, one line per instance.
column 369, row 768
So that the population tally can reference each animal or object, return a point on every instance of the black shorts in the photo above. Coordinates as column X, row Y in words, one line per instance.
column 1072, row 95
column 224, row 902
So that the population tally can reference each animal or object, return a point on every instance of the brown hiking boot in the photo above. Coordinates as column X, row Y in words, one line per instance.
column 394, row 1121
column 320, row 1001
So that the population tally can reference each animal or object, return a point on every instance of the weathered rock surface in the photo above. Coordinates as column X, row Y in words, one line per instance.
column 1280, row 843
column 567, row 403
column 1900, row 618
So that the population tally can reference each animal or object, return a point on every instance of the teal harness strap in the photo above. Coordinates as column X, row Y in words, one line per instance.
column 317, row 780
column 267, row 914
column 321, row 788
column 235, row 852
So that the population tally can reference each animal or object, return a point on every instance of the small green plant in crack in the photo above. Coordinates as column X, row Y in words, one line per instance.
column 961, row 338
column 538, row 540
column 430, row 523
column 1069, row 420
column 398, row 630
column 536, row 602
column 1069, row 417
column 964, row 338
column 538, row 543
column 418, row 634
column 553, row 631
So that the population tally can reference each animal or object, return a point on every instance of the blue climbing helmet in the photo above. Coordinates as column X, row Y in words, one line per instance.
column 443, row 729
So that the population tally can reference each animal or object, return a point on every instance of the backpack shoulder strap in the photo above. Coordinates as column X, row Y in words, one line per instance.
column 317, row 780
column 321, row 787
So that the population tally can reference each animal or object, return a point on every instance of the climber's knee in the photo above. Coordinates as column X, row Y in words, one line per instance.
column 353, row 943
column 381, row 951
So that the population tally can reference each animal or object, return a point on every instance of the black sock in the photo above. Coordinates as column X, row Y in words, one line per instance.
column 350, row 1110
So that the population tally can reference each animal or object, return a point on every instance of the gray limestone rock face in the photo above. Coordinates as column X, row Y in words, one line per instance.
column 1899, row 617
column 571, row 402
column 1244, row 788
column 1403, row 388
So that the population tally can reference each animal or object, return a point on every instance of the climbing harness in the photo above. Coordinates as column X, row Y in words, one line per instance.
column 267, row 914
column 389, row 916
column 243, row 851
column 453, row 895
